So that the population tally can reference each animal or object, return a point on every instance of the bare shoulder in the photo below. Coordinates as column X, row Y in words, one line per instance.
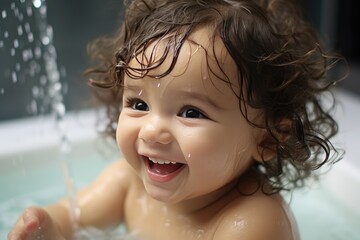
column 257, row 217
column 106, row 196
column 118, row 170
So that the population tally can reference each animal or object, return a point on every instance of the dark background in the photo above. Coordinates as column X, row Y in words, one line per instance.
column 76, row 23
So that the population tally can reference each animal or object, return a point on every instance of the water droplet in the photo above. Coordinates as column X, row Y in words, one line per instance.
column 21, row 17
column 167, row 223
column 35, row 91
column 17, row 67
column 3, row 14
column 30, row 37
column 6, row 34
column 49, row 32
column 62, row 71
column 2, row 91
column 20, row 30
column 29, row 11
column 1, row 44
column 12, row 6
column 12, row 52
column 16, row 43
column 27, row 55
column 45, row 40
column 16, row 12
column 139, row 94
column 57, row 87
column 14, row 77
column 53, row 74
column 158, row 85
column 65, row 146
column 240, row 223
column 43, row 80
column 60, row 110
column 189, row 155
column 27, row 27
column 37, row 52
column 37, row 3
column 43, row 11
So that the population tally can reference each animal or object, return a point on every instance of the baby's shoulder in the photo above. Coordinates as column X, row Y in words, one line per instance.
column 118, row 173
column 257, row 217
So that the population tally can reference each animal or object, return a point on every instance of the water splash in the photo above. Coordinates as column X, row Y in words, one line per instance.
column 33, row 58
column 27, row 54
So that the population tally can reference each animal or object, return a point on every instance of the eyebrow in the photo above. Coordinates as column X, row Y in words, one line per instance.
column 184, row 93
column 203, row 98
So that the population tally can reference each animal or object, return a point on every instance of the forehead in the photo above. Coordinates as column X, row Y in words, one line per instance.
column 201, row 56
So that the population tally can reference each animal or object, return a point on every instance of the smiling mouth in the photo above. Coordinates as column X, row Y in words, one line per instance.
column 161, row 167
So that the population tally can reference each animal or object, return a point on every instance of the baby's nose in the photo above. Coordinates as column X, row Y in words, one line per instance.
column 156, row 130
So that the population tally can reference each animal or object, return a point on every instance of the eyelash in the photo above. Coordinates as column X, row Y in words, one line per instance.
column 189, row 107
column 130, row 102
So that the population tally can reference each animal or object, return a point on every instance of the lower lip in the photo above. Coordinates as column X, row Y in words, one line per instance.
column 160, row 177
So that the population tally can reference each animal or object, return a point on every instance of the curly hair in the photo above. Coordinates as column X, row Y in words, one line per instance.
column 283, row 71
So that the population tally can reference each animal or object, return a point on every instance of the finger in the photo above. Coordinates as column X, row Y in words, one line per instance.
column 31, row 219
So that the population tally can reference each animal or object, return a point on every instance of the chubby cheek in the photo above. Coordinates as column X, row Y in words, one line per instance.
column 126, row 136
column 219, row 155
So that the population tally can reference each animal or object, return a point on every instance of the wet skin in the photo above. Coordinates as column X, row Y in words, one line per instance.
column 187, row 154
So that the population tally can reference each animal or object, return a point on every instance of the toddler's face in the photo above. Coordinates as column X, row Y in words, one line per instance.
column 184, row 133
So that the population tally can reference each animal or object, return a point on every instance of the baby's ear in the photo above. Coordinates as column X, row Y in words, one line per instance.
column 269, row 140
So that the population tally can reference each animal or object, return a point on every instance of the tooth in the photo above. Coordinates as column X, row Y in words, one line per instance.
column 158, row 161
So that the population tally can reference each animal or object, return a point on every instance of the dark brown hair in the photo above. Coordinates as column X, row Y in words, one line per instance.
column 283, row 71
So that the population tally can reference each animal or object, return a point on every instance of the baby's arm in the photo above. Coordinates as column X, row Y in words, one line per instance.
column 100, row 204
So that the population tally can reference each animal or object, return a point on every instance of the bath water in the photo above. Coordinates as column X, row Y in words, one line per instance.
column 319, row 212
column 29, row 57
column 39, row 181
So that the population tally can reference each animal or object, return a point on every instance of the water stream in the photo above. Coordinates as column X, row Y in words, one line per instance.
column 28, row 58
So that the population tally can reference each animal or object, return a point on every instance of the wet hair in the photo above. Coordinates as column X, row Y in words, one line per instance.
column 283, row 72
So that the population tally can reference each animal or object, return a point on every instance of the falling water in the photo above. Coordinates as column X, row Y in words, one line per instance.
column 29, row 55
column 28, row 58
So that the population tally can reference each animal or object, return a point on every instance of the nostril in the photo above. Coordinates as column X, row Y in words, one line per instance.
column 155, row 133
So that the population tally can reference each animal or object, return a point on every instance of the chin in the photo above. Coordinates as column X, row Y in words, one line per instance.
column 161, row 195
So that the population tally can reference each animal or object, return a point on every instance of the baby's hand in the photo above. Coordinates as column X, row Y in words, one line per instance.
column 35, row 223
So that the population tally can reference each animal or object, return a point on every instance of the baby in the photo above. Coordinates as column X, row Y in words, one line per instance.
column 218, row 110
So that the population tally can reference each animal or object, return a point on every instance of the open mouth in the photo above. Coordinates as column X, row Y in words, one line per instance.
column 162, row 167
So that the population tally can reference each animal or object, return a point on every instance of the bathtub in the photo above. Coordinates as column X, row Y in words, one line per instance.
column 32, row 167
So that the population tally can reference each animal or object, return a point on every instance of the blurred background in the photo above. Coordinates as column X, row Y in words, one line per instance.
column 75, row 23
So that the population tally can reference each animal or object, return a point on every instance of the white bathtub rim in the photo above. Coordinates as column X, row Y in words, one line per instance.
column 34, row 133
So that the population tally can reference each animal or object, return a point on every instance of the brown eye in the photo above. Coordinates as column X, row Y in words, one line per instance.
column 140, row 106
column 137, row 104
column 191, row 113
